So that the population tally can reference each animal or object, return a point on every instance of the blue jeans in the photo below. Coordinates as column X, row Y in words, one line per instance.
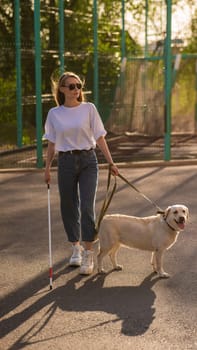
column 77, row 181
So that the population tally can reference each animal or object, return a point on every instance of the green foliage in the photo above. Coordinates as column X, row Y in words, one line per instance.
column 8, row 100
column 79, row 51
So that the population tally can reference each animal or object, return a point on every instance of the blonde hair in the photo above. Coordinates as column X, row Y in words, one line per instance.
column 58, row 95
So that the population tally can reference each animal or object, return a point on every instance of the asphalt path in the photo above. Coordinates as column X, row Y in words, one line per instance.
column 131, row 309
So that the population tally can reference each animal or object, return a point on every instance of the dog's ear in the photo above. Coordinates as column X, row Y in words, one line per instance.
column 166, row 212
column 187, row 213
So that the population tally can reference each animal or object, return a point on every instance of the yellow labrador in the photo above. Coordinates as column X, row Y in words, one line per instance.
column 153, row 233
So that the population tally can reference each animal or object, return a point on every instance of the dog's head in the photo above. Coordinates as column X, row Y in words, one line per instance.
column 176, row 216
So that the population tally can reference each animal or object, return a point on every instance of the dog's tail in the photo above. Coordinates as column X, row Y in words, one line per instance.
column 96, row 246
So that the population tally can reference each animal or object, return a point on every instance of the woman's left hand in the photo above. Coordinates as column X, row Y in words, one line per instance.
column 114, row 169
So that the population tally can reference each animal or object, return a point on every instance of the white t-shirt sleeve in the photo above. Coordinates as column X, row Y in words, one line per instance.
column 50, row 133
column 96, row 123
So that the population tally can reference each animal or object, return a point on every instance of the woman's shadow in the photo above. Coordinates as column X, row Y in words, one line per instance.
column 133, row 305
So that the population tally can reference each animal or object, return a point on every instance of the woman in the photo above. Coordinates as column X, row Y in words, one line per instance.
column 73, row 128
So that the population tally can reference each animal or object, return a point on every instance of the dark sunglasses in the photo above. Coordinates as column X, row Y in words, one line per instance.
column 73, row 86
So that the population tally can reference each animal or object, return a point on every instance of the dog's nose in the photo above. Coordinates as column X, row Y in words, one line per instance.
column 181, row 219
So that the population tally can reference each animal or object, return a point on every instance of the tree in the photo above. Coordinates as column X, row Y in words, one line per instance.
column 78, row 34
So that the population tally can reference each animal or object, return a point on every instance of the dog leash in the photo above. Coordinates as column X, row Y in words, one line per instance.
column 108, row 197
column 107, row 200
column 159, row 210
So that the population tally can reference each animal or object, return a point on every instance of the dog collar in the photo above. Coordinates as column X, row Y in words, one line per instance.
column 172, row 228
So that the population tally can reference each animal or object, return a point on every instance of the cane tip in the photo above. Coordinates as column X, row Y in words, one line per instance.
column 51, row 287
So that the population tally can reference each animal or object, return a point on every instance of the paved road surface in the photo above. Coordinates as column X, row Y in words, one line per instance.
column 122, row 310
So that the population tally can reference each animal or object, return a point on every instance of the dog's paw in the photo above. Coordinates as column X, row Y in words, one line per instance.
column 163, row 275
column 102, row 271
column 118, row 268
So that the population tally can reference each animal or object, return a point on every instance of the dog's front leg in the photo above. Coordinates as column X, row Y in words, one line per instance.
column 158, row 260
column 153, row 262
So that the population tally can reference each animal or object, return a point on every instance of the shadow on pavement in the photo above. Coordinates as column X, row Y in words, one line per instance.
column 133, row 305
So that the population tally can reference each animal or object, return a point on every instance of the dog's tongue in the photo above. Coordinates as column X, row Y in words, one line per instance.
column 181, row 225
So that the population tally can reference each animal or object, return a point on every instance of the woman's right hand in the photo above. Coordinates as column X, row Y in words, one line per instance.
column 49, row 159
column 47, row 176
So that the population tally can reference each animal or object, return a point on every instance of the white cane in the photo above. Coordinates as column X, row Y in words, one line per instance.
column 50, row 251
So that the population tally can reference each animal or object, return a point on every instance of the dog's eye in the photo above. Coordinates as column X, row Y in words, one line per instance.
column 176, row 212
column 183, row 211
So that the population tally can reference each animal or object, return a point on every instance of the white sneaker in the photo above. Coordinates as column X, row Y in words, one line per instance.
column 76, row 257
column 87, row 265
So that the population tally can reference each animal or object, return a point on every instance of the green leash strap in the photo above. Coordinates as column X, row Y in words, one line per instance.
column 107, row 200
column 159, row 210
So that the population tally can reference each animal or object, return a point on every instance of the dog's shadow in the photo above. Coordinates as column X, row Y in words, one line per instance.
column 133, row 305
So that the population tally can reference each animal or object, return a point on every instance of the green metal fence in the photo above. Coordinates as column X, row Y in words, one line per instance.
column 139, row 103
column 150, row 95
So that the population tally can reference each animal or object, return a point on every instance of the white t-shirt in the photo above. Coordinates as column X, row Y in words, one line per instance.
column 74, row 128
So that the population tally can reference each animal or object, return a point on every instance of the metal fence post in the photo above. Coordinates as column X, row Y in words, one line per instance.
column 18, row 73
column 38, row 83
column 123, row 48
column 168, row 82
column 61, row 35
column 95, row 29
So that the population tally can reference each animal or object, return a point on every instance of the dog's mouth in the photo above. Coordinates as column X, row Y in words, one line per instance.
column 181, row 223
